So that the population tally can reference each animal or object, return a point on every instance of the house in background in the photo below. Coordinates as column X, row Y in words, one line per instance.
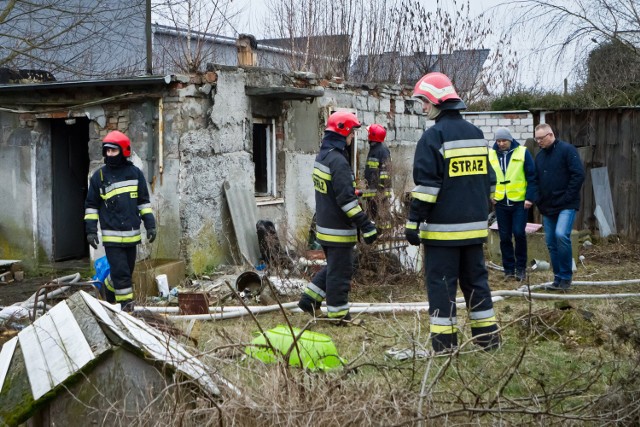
column 464, row 68
column 323, row 55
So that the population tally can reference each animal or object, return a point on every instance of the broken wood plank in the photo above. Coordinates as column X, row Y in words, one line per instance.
column 54, row 349
column 6, row 354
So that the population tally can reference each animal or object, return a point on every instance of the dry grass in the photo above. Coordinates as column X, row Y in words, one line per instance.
column 573, row 362
column 568, row 363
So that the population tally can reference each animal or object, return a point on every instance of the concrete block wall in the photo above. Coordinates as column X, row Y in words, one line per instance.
column 519, row 123
column 393, row 107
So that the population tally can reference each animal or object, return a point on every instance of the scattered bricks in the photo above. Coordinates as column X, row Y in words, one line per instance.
column 210, row 77
column 324, row 83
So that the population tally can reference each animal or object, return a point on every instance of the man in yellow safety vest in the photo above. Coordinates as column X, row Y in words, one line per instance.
column 516, row 188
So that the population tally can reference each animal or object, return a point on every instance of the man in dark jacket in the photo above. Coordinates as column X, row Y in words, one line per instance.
column 516, row 190
column 118, row 197
column 450, row 207
column 560, row 177
column 338, row 218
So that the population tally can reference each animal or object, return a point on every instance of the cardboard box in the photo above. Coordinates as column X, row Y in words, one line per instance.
column 144, row 275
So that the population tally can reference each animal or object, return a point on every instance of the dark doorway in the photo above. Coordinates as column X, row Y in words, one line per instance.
column 70, row 167
column 261, row 157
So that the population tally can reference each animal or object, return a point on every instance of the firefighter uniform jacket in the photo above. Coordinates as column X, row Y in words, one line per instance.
column 338, row 214
column 454, row 183
column 119, row 198
column 376, row 172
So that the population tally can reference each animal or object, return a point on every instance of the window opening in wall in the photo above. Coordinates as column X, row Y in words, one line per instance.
column 264, row 156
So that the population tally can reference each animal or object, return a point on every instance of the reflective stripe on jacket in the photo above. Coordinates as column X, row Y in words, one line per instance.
column 336, row 203
column 513, row 184
column 377, row 171
column 453, row 183
column 119, row 198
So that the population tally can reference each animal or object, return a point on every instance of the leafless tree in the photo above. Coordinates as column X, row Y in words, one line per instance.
column 586, row 21
column 450, row 39
column 196, row 26
column 317, row 33
column 394, row 41
column 73, row 38
column 570, row 30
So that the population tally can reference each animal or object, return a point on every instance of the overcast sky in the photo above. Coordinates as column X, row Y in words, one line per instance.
column 537, row 69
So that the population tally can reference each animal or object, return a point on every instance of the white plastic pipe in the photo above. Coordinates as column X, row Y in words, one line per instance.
column 354, row 308
column 220, row 313
column 72, row 278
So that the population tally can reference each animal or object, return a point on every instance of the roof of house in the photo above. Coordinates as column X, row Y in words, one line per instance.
column 462, row 67
column 336, row 43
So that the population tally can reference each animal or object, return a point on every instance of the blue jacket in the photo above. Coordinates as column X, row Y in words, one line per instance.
column 529, row 171
column 560, row 177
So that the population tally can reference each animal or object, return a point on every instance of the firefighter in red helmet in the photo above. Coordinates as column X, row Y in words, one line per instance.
column 448, row 215
column 338, row 219
column 119, row 199
column 377, row 174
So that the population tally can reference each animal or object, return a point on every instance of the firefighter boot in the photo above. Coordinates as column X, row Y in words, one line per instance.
column 127, row 305
column 346, row 321
column 310, row 306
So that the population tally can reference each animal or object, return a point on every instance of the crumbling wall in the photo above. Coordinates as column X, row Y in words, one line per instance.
column 16, row 161
column 208, row 157
column 207, row 139
column 389, row 105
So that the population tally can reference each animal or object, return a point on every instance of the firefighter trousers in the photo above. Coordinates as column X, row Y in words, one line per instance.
column 122, row 261
column 333, row 281
column 445, row 268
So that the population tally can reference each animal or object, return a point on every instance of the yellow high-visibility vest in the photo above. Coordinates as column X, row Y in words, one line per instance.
column 514, row 184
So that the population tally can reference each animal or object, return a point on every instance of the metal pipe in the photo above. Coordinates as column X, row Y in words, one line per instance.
column 160, row 138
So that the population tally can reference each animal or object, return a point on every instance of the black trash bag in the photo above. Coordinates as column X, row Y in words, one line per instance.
column 269, row 243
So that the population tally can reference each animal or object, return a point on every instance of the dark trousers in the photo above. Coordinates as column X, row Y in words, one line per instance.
column 445, row 267
column 334, row 279
column 122, row 261
column 512, row 221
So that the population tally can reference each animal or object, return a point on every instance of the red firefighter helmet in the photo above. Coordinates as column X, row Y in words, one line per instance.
column 342, row 122
column 377, row 133
column 119, row 139
column 438, row 89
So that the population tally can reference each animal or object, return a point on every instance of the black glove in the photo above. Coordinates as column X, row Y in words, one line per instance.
column 92, row 239
column 151, row 235
column 369, row 233
column 411, row 233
